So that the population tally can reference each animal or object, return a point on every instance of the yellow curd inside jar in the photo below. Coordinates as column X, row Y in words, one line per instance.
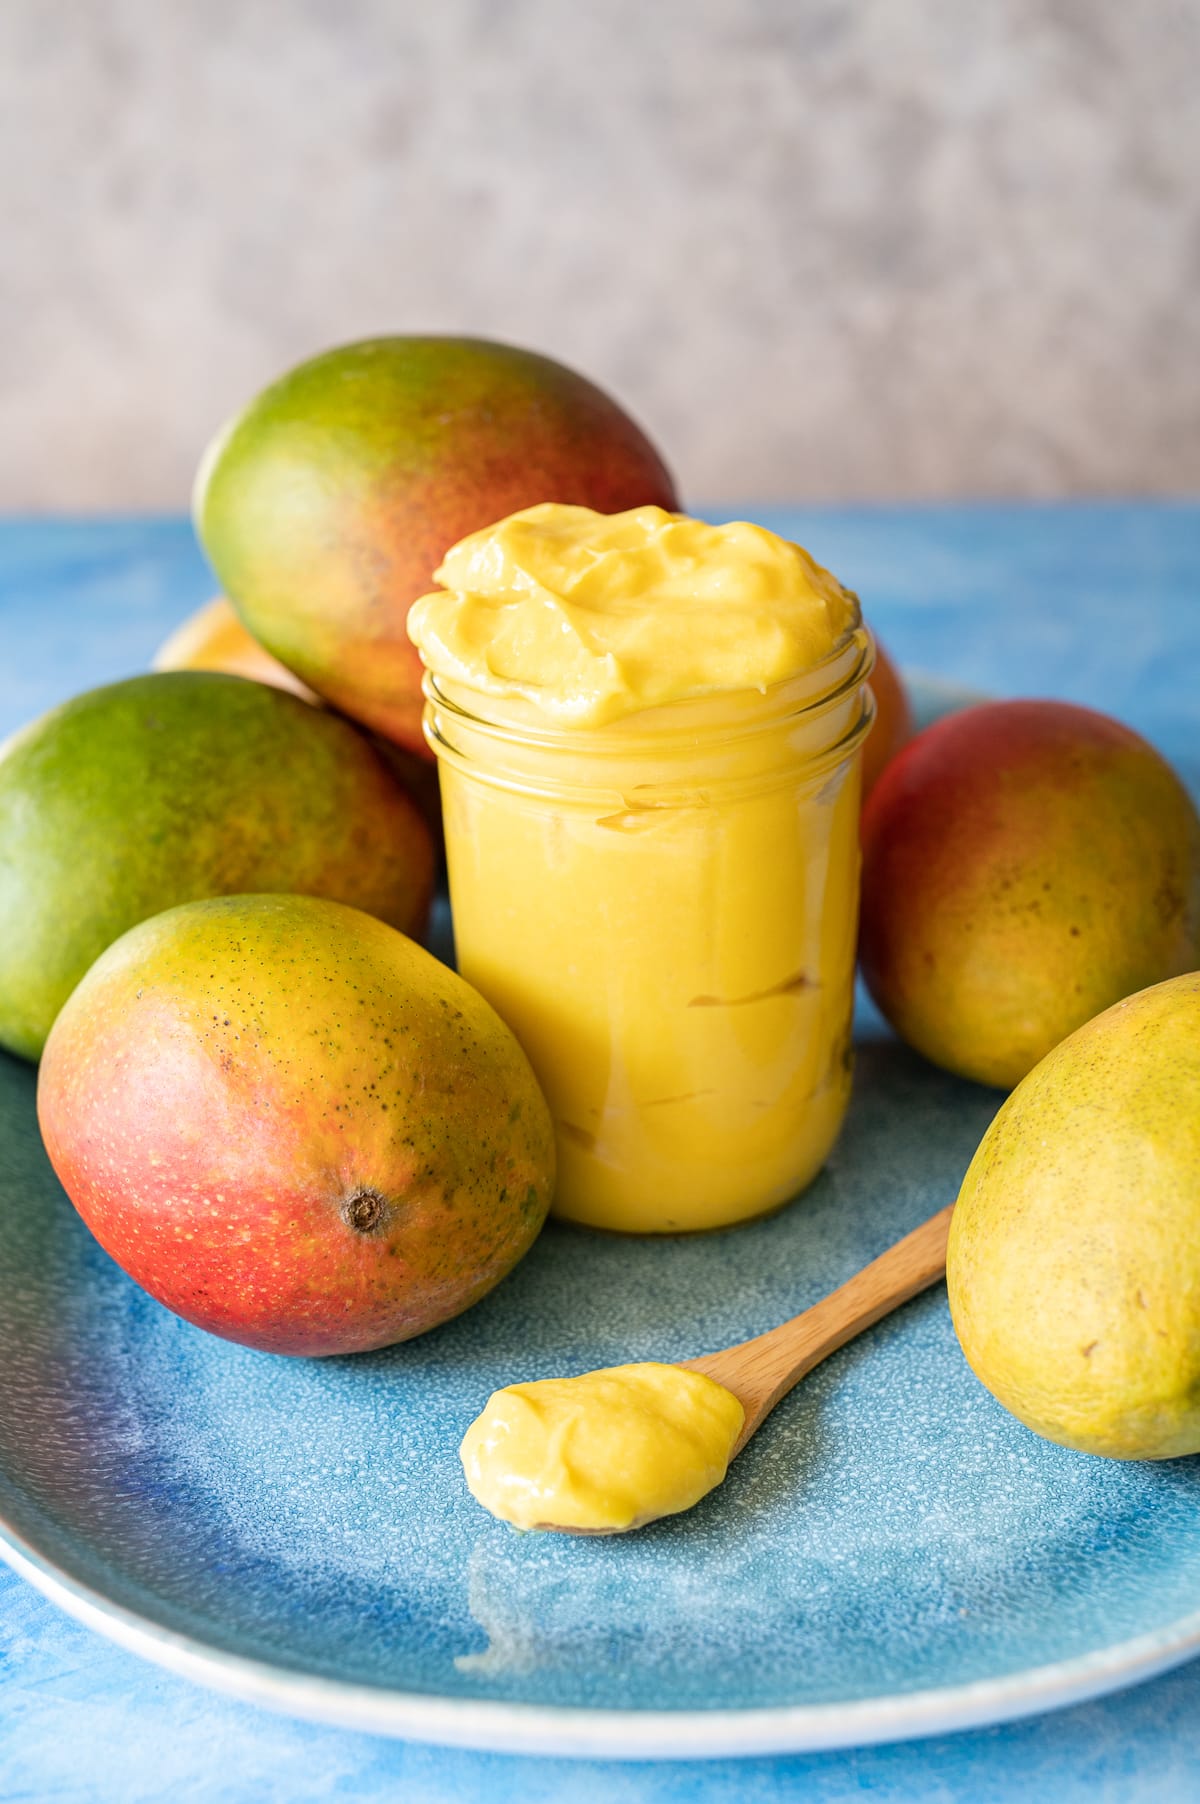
column 648, row 734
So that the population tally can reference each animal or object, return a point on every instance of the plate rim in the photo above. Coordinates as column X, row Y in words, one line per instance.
column 600, row 1733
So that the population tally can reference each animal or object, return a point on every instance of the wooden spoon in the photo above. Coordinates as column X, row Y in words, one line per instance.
column 761, row 1371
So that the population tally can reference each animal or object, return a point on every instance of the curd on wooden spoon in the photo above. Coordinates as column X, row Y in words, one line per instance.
column 614, row 1449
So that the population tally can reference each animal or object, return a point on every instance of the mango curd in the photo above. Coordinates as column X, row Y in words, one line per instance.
column 648, row 734
column 592, row 616
column 602, row 1452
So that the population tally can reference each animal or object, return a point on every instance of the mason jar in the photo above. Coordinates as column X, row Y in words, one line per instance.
column 664, row 910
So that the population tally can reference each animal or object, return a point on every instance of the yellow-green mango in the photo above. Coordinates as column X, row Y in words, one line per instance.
column 1074, row 1259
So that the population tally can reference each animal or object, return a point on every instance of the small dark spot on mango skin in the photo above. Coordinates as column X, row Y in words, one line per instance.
column 366, row 1211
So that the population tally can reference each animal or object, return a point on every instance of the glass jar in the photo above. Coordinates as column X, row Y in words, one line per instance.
column 664, row 910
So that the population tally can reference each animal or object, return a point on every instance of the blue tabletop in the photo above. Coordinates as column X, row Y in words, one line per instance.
column 1098, row 603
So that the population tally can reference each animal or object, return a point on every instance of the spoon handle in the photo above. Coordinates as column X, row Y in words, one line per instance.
column 761, row 1371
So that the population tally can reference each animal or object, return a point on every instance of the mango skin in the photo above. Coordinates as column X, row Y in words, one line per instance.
column 213, row 638
column 167, row 788
column 1025, row 864
column 1074, row 1259
column 326, row 506
column 892, row 727
column 293, row 1126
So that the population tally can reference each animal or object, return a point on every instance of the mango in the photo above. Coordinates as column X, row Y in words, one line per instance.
column 1074, row 1259
column 167, row 788
column 1025, row 865
column 294, row 1127
column 326, row 505
column 213, row 638
column 892, row 727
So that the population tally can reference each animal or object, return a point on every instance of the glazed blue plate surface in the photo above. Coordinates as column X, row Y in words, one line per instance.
column 892, row 1554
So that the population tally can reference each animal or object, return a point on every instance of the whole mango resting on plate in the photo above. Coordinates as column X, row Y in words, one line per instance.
column 326, row 506
column 1074, row 1259
column 1025, row 865
column 167, row 788
column 293, row 1126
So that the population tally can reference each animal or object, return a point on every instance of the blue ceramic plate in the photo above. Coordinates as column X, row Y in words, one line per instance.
column 891, row 1556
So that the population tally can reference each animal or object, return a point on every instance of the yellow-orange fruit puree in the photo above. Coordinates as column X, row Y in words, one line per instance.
column 604, row 1451
column 648, row 730
column 591, row 616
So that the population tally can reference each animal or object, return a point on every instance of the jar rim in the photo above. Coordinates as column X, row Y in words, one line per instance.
column 748, row 712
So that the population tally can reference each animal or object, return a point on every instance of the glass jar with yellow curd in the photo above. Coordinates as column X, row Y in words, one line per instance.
column 656, row 889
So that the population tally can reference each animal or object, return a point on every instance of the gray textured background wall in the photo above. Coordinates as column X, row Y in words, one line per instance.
column 823, row 248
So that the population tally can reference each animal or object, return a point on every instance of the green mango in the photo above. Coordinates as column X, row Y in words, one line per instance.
column 175, row 787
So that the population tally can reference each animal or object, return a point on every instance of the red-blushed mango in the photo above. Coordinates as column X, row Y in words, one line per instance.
column 167, row 788
column 892, row 727
column 293, row 1126
column 1025, row 865
column 326, row 506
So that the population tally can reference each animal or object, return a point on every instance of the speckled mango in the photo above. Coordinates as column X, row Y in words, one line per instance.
column 1074, row 1259
column 328, row 503
column 1025, row 865
column 293, row 1126
column 167, row 788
